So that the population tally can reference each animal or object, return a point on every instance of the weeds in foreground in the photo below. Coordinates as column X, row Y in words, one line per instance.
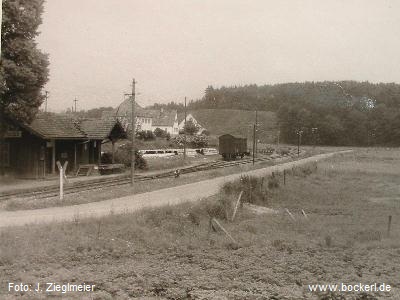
column 174, row 242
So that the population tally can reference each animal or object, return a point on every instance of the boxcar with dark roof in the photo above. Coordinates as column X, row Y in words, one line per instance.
column 231, row 147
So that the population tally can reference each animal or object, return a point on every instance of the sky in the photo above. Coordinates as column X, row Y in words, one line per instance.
column 176, row 48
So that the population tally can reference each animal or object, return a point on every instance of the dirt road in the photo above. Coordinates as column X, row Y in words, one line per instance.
column 168, row 196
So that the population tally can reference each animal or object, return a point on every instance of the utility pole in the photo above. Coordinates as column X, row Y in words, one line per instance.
column 299, row 133
column 133, row 132
column 256, row 137
column 46, row 96
column 133, row 127
column 184, row 136
column 76, row 100
column 254, row 141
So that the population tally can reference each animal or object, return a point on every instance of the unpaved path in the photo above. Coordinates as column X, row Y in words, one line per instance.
column 173, row 195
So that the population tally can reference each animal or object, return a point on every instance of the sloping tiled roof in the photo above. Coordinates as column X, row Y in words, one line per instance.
column 165, row 118
column 55, row 126
column 98, row 128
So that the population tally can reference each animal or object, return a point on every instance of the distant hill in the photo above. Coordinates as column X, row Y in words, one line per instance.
column 239, row 122
column 326, row 113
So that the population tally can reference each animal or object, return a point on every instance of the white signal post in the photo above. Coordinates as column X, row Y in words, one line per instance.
column 63, row 177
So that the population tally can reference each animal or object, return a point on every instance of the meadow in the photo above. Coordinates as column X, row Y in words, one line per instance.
column 178, row 252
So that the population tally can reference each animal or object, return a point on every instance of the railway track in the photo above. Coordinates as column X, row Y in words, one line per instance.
column 53, row 190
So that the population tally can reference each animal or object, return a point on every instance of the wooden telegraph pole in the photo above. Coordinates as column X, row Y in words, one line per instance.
column 76, row 100
column 299, row 133
column 133, row 132
column 184, row 136
column 254, row 139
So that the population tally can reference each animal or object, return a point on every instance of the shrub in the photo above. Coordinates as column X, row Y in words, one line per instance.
column 123, row 156
column 284, row 151
column 199, row 141
column 106, row 158
column 196, row 141
column 145, row 135
column 158, row 132
column 273, row 182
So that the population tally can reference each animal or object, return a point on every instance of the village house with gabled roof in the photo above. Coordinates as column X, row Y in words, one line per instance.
column 146, row 119
column 32, row 150
column 189, row 117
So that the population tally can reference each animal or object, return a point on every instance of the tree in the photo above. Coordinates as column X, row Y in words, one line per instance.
column 158, row 132
column 24, row 68
column 191, row 128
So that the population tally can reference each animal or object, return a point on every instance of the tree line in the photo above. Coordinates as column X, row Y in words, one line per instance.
column 328, row 113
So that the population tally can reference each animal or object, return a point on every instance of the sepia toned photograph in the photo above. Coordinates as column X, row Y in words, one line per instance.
column 200, row 149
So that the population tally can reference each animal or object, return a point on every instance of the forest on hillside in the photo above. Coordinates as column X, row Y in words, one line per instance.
column 327, row 113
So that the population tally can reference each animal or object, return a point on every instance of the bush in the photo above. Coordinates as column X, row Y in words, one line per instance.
column 158, row 132
column 145, row 135
column 284, row 151
column 199, row 141
column 196, row 141
column 106, row 158
column 273, row 182
column 123, row 156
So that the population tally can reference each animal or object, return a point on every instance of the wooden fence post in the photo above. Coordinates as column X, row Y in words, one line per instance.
column 237, row 205
column 389, row 225
column 224, row 230
column 284, row 176
column 290, row 214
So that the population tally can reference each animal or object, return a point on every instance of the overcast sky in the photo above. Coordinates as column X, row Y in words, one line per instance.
column 176, row 48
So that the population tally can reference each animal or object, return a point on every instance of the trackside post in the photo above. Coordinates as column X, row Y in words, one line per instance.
column 62, row 177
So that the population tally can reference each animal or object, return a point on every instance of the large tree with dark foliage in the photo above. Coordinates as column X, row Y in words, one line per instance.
column 24, row 68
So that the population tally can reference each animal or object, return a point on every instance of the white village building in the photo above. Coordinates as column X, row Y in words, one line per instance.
column 151, row 119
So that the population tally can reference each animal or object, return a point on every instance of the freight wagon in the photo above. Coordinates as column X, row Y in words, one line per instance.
column 231, row 146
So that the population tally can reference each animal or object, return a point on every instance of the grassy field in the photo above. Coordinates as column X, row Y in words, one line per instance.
column 171, row 253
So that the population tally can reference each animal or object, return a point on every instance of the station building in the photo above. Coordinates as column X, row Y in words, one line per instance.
column 32, row 150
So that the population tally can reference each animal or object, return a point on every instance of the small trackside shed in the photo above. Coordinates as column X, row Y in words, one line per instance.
column 32, row 150
column 231, row 146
